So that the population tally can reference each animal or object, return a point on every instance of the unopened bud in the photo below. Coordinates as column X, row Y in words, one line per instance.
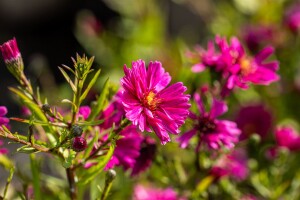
column 12, row 58
column 76, row 130
column 110, row 175
column 79, row 144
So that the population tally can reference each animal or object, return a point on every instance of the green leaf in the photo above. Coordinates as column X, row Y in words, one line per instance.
column 69, row 157
column 89, row 149
column 90, row 123
column 100, row 102
column 85, row 176
column 90, row 85
column 5, row 162
column 68, row 79
column 26, row 149
column 35, row 170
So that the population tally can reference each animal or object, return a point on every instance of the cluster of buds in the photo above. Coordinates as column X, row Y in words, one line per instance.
column 78, row 142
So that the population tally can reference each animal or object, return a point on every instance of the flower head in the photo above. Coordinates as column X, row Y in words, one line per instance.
column 233, row 164
column 212, row 131
column 84, row 112
column 2, row 150
column 150, row 193
column 150, row 104
column 254, row 119
column 79, row 144
column 288, row 137
column 127, row 149
column 242, row 69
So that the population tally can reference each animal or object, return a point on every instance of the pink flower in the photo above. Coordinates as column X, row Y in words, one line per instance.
column 215, row 133
column 233, row 164
column 150, row 193
column 114, row 112
column 292, row 18
column 242, row 69
column 10, row 51
column 127, row 149
column 84, row 112
column 150, row 104
column 287, row 136
column 254, row 119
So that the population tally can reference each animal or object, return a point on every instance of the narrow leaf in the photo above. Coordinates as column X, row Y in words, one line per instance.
column 68, row 79
column 90, row 85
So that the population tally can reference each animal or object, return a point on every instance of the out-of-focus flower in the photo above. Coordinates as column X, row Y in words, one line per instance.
column 233, row 165
column 12, row 58
column 215, row 133
column 150, row 104
column 242, row 69
column 249, row 197
column 84, row 112
column 127, row 148
column 151, row 193
column 257, row 35
column 292, row 18
column 3, row 150
column 254, row 119
column 3, row 120
column 288, row 137
column 114, row 113
column 147, row 154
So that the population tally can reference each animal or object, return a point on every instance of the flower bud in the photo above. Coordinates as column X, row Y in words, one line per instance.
column 110, row 175
column 12, row 58
column 46, row 107
column 76, row 131
column 79, row 144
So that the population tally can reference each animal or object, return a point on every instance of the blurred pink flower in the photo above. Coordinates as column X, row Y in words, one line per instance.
column 2, row 150
column 3, row 120
column 215, row 133
column 150, row 193
column 233, row 165
column 288, row 137
column 127, row 148
column 254, row 119
column 84, row 112
column 292, row 17
column 150, row 104
column 242, row 69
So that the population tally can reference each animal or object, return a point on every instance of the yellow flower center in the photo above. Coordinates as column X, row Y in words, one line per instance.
column 150, row 101
column 246, row 66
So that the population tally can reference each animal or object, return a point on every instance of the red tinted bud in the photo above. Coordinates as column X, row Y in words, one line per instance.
column 79, row 144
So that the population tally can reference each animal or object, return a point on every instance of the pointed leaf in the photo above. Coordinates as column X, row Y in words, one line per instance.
column 68, row 79
column 92, row 82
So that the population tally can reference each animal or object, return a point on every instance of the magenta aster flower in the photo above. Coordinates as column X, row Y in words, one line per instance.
column 242, row 69
column 150, row 193
column 150, row 104
column 127, row 149
column 288, row 137
column 254, row 119
column 212, row 131
column 233, row 164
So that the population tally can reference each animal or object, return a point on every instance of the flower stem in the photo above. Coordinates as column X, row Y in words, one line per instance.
column 72, row 184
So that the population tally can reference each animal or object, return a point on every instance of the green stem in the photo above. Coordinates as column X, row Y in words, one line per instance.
column 72, row 185
column 35, row 177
